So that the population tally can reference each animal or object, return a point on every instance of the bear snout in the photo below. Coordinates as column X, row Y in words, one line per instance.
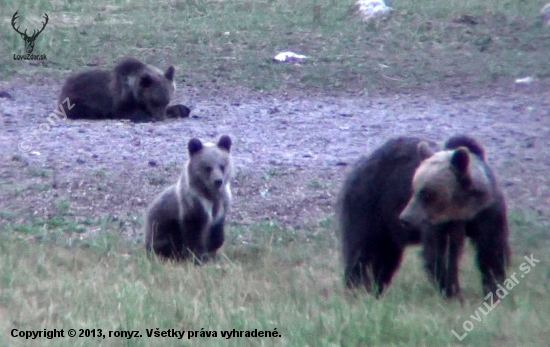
column 409, row 217
column 218, row 183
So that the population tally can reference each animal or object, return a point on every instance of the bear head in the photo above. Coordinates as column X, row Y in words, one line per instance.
column 210, row 167
column 449, row 185
column 153, row 90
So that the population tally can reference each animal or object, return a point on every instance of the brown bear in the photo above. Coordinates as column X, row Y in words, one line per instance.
column 132, row 90
column 372, row 197
column 380, row 213
column 456, row 195
column 187, row 219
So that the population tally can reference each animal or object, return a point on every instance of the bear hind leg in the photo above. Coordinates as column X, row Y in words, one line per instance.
column 357, row 272
column 170, row 244
column 489, row 234
column 491, row 261
column 385, row 267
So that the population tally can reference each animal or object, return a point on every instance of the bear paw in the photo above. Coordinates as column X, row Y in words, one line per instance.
column 177, row 111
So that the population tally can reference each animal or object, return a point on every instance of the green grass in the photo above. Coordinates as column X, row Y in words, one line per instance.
column 266, row 278
column 61, row 272
column 230, row 43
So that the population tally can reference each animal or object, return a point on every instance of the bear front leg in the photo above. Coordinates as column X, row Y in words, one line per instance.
column 456, row 236
column 215, row 237
column 177, row 111
column 194, row 226
column 435, row 246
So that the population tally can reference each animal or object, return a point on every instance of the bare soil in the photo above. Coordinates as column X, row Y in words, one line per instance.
column 292, row 150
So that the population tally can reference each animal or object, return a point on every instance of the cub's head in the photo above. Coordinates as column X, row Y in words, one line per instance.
column 154, row 89
column 210, row 167
column 452, row 184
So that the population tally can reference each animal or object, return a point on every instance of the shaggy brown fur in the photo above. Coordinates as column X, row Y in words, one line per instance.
column 456, row 195
column 385, row 206
column 188, row 218
column 373, row 195
column 132, row 90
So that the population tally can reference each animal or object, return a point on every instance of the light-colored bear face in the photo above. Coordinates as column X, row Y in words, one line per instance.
column 210, row 168
column 448, row 185
column 154, row 89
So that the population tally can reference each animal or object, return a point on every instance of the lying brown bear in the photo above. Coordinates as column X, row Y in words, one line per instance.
column 132, row 90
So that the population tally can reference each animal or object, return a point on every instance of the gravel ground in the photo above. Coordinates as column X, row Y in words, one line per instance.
column 292, row 150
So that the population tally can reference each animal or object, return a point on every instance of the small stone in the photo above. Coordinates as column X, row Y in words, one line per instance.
column 4, row 94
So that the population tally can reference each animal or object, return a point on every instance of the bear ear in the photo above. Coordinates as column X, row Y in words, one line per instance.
column 145, row 81
column 169, row 74
column 424, row 150
column 194, row 146
column 225, row 142
column 460, row 160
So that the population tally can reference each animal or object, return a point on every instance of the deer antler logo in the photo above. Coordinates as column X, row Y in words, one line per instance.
column 29, row 40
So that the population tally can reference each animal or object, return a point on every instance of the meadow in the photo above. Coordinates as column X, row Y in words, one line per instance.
column 229, row 43
column 56, row 274
column 282, row 280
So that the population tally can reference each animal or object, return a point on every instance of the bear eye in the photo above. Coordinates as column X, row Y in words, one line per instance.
column 427, row 196
column 222, row 167
column 208, row 169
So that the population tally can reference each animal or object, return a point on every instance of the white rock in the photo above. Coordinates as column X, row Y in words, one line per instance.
column 371, row 9
column 525, row 80
column 289, row 57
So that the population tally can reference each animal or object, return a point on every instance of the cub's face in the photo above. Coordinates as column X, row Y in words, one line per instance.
column 155, row 90
column 448, row 185
column 210, row 166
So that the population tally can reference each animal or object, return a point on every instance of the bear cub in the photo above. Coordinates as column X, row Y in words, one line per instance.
column 132, row 90
column 407, row 192
column 187, row 219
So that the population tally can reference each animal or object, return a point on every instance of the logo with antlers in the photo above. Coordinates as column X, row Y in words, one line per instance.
column 29, row 40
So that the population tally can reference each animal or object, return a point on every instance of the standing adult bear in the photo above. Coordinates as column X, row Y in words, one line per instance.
column 132, row 90
column 187, row 219
column 408, row 193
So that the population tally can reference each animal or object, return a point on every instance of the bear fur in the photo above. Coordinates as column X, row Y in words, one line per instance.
column 372, row 197
column 456, row 195
column 187, row 219
column 379, row 214
column 132, row 90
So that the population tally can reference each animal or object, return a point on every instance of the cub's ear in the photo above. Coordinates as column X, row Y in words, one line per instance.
column 145, row 81
column 194, row 146
column 424, row 150
column 224, row 142
column 460, row 160
column 169, row 74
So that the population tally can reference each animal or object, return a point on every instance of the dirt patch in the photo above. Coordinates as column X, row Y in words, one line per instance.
column 290, row 149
